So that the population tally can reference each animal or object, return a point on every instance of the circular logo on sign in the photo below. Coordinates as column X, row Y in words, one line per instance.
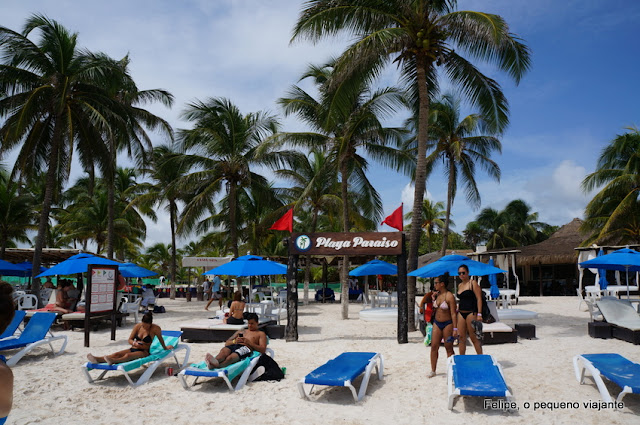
column 303, row 243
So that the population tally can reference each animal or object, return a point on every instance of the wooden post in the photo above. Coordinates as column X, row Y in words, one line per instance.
column 291, row 331
column 403, row 308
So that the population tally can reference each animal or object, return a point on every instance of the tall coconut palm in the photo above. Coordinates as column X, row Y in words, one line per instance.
column 55, row 98
column 422, row 36
column 433, row 218
column 612, row 214
column 167, row 170
column 456, row 143
column 515, row 225
column 313, row 188
column 343, row 121
column 225, row 147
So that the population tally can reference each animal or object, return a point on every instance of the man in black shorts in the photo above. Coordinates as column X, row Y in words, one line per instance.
column 240, row 345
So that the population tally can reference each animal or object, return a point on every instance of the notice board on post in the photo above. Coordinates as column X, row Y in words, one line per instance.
column 101, row 296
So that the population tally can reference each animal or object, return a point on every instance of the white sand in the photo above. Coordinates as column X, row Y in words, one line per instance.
column 53, row 390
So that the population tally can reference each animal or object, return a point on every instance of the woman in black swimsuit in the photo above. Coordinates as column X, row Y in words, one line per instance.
column 469, row 308
column 140, row 339
column 445, row 323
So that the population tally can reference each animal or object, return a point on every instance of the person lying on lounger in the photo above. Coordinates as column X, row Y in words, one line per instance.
column 7, row 310
column 140, row 340
column 240, row 345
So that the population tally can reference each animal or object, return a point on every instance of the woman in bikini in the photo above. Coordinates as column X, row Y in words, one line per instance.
column 445, row 323
column 469, row 308
column 140, row 340
column 236, row 311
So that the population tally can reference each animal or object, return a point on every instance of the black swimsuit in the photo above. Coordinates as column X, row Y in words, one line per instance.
column 468, row 303
column 147, row 340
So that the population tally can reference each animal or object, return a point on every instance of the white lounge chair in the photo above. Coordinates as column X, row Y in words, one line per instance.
column 33, row 335
column 242, row 369
column 614, row 367
column 157, row 355
column 342, row 371
column 624, row 319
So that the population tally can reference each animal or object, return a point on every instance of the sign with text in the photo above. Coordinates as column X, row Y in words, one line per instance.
column 103, row 282
column 369, row 243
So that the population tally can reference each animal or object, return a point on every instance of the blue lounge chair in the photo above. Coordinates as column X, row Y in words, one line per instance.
column 33, row 335
column 343, row 370
column 478, row 375
column 242, row 369
column 157, row 355
column 10, row 331
column 614, row 367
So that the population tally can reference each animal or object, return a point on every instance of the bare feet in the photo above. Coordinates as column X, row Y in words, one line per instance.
column 108, row 360
column 206, row 308
column 431, row 374
column 212, row 362
column 92, row 358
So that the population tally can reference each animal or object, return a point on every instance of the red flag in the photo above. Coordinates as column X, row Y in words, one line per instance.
column 395, row 219
column 285, row 222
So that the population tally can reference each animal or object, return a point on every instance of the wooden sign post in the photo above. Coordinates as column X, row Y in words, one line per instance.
column 101, row 296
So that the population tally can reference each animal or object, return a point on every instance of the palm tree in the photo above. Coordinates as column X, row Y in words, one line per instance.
column 455, row 142
column 343, row 122
column 612, row 214
column 131, row 136
column 159, row 257
column 474, row 234
column 168, row 168
column 313, row 188
column 226, row 147
column 433, row 216
column 56, row 98
column 422, row 36
column 16, row 213
column 515, row 225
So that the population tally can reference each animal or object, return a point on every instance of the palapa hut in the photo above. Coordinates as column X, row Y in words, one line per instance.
column 546, row 268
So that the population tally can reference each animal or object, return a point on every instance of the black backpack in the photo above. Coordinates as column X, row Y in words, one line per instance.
column 487, row 317
column 272, row 371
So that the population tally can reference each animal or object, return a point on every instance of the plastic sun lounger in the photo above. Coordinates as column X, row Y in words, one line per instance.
column 343, row 370
column 33, row 335
column 156, row 357
column 242, row 368
column 614, row 367
column 10, row 331
column 478, row 375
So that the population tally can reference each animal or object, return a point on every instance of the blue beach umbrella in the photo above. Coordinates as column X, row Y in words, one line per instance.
column 134, row 270
column 602, row 273
column 624, row 259
column 493, row 280
column 9, row 269
column 78, row 263
column 451, row 263
column 248, row 265
column 374, row 267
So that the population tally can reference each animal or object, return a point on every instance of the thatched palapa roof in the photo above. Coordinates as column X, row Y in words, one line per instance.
column 558, row 249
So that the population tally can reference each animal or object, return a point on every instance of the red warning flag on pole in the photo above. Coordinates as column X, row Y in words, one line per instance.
column 285, row 222
column 395, row 219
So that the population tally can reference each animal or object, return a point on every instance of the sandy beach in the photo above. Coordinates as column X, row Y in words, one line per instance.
column 52, row 390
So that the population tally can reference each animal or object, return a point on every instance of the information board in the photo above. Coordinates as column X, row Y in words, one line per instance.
column 103, row 281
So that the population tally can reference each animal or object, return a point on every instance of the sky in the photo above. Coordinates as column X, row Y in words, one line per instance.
column 581, row 91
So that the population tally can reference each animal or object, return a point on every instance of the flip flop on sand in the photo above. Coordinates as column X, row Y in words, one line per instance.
column 212, row 362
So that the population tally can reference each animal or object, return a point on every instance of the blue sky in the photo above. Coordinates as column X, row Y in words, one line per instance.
column 582, row 90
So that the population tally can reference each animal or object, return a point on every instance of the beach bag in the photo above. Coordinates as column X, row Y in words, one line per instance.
column 487, row 317
column 159, row 309
column 427, row 338
column 272, row 372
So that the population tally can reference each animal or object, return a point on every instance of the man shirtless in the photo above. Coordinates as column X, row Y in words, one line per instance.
column 240, row 345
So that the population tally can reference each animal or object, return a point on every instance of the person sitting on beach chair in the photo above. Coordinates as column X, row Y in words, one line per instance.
column 7, row 310
column 240, row 345
column 140, row 339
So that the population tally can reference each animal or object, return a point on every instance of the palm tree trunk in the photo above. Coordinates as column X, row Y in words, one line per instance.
column 49, row 187
column 344, row 287
column 307, row 266
column 172, row 275
column 420, row 185
column 111, row 196
column 233, row 231
column 445, row 234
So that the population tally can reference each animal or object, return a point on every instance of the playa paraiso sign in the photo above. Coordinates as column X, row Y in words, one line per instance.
column 372, row 243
